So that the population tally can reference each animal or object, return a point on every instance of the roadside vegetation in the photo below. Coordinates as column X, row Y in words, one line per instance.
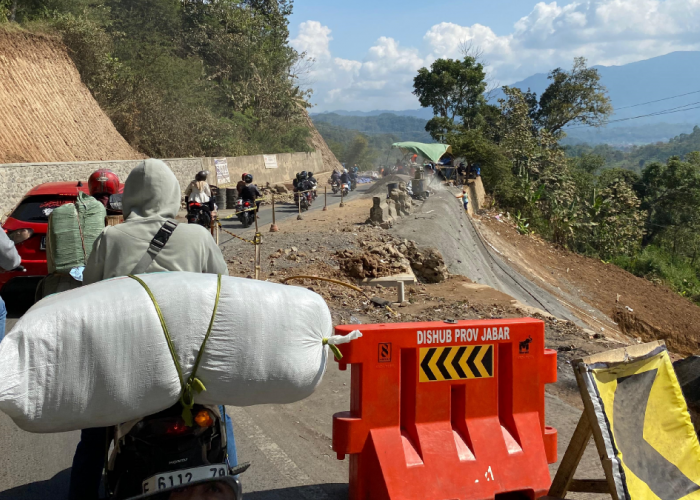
column 183, row 78
column 591, row 200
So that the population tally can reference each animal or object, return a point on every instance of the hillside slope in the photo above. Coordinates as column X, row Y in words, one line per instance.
column 46, row 113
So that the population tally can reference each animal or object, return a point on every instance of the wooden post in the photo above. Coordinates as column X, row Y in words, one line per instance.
column 273, row 227
column 342, row 197
column 258, row 242
column 325, row 199
column 299, row 217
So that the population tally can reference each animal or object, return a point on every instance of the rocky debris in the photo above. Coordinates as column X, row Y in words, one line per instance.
column 280, row 189
column 382, row 262
column 386, row 258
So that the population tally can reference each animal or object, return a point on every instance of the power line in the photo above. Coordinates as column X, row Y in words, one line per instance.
column 659, row 100
column 670, row 111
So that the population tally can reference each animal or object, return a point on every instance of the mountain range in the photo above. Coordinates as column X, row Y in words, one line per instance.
column 654, row 100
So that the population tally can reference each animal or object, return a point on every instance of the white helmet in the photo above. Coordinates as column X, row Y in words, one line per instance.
column 345, row 170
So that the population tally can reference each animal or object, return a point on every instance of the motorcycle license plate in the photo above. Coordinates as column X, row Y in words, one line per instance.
column 183, row 477
column 42, row 245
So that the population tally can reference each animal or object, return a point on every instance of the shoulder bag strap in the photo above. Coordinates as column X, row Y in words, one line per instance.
column 157, row 244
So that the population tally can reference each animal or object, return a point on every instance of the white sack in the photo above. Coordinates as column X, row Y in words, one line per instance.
column 97, row 356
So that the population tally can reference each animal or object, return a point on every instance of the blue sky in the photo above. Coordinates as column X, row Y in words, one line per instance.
column 357, row 25
column 366, row 53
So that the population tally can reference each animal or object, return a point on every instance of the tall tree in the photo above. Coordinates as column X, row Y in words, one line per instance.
column 455, row 90
column 575, row 97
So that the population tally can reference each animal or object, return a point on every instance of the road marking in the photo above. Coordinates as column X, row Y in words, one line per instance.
column 276, row 455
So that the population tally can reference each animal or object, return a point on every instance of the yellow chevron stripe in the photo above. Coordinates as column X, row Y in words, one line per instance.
column 464, row 365
column 479, row 362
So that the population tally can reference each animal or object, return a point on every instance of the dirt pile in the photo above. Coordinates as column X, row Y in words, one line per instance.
column 390, row 256
column 46, row 113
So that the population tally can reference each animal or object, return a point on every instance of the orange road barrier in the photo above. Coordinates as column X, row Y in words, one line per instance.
column 451, row 410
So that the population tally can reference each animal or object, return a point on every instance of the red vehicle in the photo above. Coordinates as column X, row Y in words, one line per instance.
column 27, row 227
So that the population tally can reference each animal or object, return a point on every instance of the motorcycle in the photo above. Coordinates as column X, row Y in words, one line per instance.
column 245, row 213
column 304, row 202
column 199, row 214
column 160, row 452
column 346, row 189
column 335, row 187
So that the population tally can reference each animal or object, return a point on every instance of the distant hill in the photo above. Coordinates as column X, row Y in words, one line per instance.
column 423, row 113
column 404, row 127
column 637, row 157
column 630, row 87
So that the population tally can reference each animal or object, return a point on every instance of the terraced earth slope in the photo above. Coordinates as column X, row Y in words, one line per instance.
column 46, row 112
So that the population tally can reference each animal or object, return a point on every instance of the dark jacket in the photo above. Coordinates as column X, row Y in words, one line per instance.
column 250, row 192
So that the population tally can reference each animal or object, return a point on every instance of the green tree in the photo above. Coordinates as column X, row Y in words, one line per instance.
column 574, row 97
column 455, row 90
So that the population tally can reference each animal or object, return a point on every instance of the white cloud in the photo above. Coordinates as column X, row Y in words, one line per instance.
column 607, row 32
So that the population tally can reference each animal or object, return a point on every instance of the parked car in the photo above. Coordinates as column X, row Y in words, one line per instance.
column 27, row 226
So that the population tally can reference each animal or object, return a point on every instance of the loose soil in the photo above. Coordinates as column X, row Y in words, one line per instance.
column 643, row 310
column 47, row 113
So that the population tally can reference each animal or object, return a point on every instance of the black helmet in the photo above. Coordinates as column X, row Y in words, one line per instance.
column 311, row 174
column 248, row 178
column 201, row 176
column 304, row 174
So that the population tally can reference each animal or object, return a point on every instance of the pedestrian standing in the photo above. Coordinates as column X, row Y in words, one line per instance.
column 465, row 198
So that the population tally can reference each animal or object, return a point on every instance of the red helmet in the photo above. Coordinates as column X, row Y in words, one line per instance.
column 243, row 177
column 103, row 181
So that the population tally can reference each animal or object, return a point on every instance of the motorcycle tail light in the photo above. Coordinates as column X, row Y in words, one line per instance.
column 204, row 419
column 177, row 428
column 20, row 235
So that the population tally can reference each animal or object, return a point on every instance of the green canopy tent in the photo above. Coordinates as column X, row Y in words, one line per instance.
column 432, row 152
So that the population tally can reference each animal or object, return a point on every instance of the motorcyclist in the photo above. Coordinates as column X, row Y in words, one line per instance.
column 241, row 185
column 148, row 241
column 199, row 191
column 250, row 192
column 103, row 185
column 345, row 177
column 313, row 183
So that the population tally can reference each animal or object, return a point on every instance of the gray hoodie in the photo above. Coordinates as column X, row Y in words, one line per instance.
column 151, row 197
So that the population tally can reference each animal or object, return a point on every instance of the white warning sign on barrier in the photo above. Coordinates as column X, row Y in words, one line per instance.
column 222, row 174
column 270, row 161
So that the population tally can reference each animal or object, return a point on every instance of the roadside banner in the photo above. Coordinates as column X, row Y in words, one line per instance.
column 270, row 161
column 222, row 175
column 649, row 437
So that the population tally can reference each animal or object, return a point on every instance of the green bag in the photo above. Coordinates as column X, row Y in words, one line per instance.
column 73, row 228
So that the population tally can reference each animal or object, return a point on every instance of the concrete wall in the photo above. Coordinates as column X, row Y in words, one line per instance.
column 288, row 165
column 18, row 178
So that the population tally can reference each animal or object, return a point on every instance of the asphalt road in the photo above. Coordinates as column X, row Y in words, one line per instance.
column 440, row 222
column 282, row 212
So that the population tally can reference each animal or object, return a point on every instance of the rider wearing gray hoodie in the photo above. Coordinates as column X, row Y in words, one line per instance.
column 151, row 199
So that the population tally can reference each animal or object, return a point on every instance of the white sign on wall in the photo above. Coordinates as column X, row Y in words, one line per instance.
column 270, row 161
column 222, row 174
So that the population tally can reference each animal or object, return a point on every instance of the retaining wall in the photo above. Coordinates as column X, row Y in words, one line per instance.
column 18, row 178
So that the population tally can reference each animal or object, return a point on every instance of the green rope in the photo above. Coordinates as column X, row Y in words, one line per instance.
column 193, row 384
column 336, row 352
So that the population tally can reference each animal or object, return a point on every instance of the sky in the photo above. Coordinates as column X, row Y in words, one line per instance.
column 366, row 53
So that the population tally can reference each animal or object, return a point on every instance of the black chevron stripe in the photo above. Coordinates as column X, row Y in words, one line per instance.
column 456, row 360
column 424, row 364
column 471, row 359
column 441, row 363
column 488, row 361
